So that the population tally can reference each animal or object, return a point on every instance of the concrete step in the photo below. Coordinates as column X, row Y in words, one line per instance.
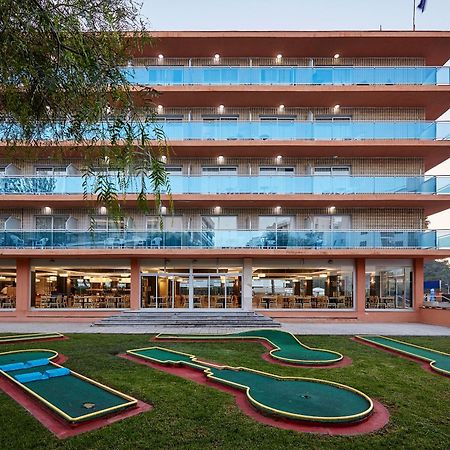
column 206, row 319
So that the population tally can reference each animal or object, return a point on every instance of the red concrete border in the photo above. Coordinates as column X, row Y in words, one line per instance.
column 56, row 424
column 377, row 420
column 28, row 341
column 425, row 365
column 266, row 356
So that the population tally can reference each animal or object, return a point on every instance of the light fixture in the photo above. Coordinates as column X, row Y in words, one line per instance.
column 336, row 108
column 277, row 209
column 47, row 210
column 217, row 210
column 160, row 56
column 160, row 108
column 281, row 108
column 64, row 275
column 278, row 159
column 279, row 57
column 163, row 158
column 216, row 57
column 220, row 159
column 103, row 210
column 332, row 209
column 336, row 56
column 163, row 210
column 221, row 108
column 323, row 275
column 262, row 275
column 52, row 278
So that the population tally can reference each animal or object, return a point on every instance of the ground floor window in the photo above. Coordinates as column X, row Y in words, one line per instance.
column 389, row 284
column 191, row 285
column 82, row 284
column 7, row 285
column 313, row 284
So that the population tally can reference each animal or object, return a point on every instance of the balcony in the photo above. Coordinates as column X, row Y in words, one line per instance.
column 227, row 239
column 287, row 76
column 263, row 130
column 238, row 184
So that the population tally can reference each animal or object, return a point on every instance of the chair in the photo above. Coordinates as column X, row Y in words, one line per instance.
column 41, row 243
column 16, row 241
column 307, row 302
column 256, row 302
column 156, row 242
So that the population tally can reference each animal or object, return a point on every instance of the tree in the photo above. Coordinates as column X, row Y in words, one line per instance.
column 438, row 270
column 60, row 80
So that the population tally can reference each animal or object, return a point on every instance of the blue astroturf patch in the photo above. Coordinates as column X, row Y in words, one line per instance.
column 31, row 376
column 58, row 372
column 37, row 362
column 12, row 367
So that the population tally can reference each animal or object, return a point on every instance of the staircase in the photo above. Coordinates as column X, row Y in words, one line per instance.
column 223, row 319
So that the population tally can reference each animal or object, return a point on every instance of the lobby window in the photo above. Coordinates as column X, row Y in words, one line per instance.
column 389, row 286
column 320, row 285
column 7, row 286
column 279, row 223
column 80, row 285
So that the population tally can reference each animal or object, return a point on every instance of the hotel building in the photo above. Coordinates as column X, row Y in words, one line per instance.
column 298, row 172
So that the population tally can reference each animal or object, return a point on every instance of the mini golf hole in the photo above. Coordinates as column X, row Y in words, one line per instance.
column 88, row 405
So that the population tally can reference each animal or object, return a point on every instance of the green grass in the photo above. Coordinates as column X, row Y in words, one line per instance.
column 192, row 416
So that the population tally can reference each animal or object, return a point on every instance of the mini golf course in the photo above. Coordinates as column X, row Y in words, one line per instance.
column 71, row 396
column 10, row 339
column 304, row 399
column 286, row 347
column 438, row 361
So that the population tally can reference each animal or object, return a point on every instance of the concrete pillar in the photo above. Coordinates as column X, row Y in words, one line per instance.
column 418, row 283
column 23, row 286
column 247, row 273
column 360, row 289
column 135, row 288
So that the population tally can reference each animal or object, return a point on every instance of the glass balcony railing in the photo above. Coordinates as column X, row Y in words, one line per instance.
column 283, row 130
column 307, row 130
column 266, row 75
column 217, row 239
column 263, row 184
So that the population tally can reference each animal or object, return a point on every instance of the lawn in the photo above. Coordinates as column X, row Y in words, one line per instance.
column 192, row 416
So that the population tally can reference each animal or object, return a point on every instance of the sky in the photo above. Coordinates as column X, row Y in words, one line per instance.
column 304, row 15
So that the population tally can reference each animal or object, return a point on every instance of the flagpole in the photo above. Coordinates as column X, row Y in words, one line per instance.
column 414, row 15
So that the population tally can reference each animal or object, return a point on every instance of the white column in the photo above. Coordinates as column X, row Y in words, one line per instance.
column 247, row 284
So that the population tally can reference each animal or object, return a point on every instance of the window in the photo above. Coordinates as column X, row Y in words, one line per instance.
column 50, row 171
column 389, row 284
column 103, row 223
column 331, row 222
column 276, row 222
column 276, row 170
column 332, row 170
column 174, row 170
column 51, row 222
column 219, row 222
column 278, row 118
column 220, row 117
column 219, row 170
column 170, row 223
column 169, row 118
column 333, row 118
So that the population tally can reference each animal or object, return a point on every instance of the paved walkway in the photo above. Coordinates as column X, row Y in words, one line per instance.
column 386, row 329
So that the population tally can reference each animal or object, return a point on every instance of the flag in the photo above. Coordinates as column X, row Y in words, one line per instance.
column 421, row 5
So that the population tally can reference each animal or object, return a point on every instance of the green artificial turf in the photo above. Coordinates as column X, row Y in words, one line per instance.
column 322, row 402
column 192, row 416
column 289, row 348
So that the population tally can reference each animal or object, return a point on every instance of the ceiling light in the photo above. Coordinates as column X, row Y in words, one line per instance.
column 216, row 57
column 160, row 108
column 221, row 108
column 47, row 210
column 279, row 56
column 217, row 210
column 220, row 159
column 160, row 56
column 163, row 158
column 163, row 210
column 336, row 56
column 281, row 107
